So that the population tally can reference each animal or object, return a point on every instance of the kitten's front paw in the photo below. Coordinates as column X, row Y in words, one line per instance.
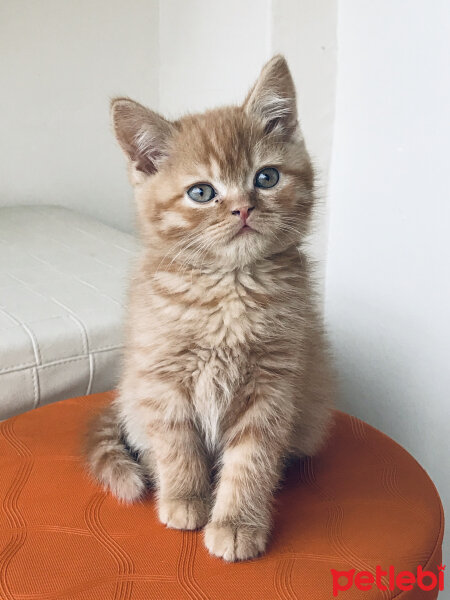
column 183, row 513
column 233, row 543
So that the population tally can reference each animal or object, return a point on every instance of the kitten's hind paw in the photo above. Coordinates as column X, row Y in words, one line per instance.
column 183, row 513
column 233, row 543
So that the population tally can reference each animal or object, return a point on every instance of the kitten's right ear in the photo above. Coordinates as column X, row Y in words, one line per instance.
column 142, row 134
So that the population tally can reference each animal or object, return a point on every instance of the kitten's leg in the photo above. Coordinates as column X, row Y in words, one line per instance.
column 182, row 476
column 251, row 468
column 165, row 421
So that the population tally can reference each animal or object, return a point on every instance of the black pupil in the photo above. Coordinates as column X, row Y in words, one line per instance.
column 265, row 177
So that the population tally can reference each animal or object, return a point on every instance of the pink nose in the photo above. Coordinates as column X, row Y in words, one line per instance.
column 243, row 212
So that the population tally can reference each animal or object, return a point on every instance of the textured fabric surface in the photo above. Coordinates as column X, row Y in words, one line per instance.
column 364, row 501
column 62, row 285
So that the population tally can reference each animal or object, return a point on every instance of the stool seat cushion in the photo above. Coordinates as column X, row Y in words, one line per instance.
column 362, row 502
column 62, row 285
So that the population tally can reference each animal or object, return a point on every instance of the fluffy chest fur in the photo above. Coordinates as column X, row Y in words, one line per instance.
column 209, row 330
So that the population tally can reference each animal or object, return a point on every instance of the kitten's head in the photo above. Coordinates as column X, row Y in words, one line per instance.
column 226, row 187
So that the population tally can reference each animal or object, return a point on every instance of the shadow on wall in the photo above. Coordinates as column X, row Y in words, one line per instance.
column 381, row 376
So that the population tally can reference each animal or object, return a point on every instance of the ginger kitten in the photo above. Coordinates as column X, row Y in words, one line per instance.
column 226, row 371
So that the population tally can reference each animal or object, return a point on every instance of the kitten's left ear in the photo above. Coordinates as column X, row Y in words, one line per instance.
column 273, row 98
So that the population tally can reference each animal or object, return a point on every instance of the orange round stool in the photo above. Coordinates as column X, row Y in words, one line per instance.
column 347, row 524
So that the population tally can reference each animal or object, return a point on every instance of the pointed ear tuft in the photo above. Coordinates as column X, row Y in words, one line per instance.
column 273, row 100
column 142, row 134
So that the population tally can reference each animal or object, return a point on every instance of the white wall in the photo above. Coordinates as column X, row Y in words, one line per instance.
column 61, row 62
column 388, row 286
column 211, row 52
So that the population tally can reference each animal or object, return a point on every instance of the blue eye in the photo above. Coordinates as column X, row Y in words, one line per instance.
column 202, row 192
column 267, row 178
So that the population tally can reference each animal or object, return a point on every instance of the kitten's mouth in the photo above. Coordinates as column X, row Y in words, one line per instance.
column 245, row 229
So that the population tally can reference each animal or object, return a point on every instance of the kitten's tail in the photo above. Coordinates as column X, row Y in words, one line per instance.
column 110, row 461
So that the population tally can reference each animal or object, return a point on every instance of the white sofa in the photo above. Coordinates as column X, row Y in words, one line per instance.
column 62, row 289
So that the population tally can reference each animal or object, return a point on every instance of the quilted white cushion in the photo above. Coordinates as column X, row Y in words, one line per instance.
column 62, row 288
